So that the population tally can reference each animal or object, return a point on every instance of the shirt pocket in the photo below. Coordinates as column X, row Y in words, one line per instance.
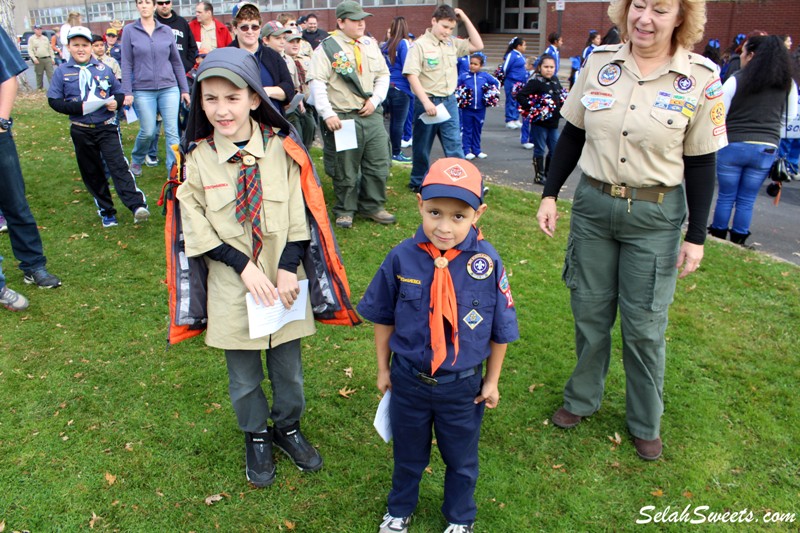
column 431, row 62
column 669, row 131
column 475, row 316
column 275, row 203
column 221, row 212
column 409, row 298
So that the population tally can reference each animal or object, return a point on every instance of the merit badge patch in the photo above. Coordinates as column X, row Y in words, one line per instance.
column 718, row 114
column 609, row 74
column 684, row 84
column 455, row 172
column 719, row 130
column 714, row 89
column 480, row 266
column 472, row 319
column 505, row 289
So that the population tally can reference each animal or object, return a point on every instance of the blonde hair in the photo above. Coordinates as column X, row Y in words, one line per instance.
column 73, row 17
column 690, row 31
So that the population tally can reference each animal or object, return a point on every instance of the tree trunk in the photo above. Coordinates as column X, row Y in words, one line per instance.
column 7, row 21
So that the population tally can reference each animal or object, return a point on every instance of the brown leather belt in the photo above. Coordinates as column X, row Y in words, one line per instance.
column 647, row 194
column 112, row 120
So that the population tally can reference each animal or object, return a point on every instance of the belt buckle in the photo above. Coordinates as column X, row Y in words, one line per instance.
column 428, row 380
column 618, row 191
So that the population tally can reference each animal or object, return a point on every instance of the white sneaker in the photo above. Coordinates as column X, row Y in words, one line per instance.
column 392, row 524
column 512, row 125
column 528, row 146
column 482, row 155
column 140, row 215
column 470, row 157
column 406, row 144
column 459, row 528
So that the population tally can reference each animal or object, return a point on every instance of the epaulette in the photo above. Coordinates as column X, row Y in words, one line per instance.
column 697, row 59
column 613, row 48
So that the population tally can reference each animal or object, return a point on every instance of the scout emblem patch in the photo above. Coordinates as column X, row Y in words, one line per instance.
column 472, row 319
column 609, row 74
column 596, row 100
column 714, row 89
column 341, row 64
column 505, row 289
column 432, row 62
column 456, row 172
column 480, row 266
column 718, row 114
column 684, row 84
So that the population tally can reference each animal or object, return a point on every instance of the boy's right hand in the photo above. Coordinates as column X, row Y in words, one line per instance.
column 430, row 108
column 384, row 380
column 333, row 123
column 259, row 285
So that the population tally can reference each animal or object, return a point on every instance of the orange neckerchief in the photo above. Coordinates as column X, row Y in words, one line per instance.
column 443, row 304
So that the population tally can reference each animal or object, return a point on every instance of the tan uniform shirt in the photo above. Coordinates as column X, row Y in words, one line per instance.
column 113, row 64
column 208, row 37
column 373, row 66
column 638, row 128
column 39, row 47
column 290, row 64
column 434, row 62
column 208, row 213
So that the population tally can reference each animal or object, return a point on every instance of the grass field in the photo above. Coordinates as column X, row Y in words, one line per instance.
column 103, row 427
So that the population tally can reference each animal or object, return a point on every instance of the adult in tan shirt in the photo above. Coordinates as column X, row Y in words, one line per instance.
column 349, row 80
column 647, row 117
column 41, row 53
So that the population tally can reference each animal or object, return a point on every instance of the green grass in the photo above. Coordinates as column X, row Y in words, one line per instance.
column 90, row 394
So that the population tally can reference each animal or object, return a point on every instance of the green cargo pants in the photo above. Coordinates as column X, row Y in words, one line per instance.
column 305, row 125
column 359, row 175
column 622, row 255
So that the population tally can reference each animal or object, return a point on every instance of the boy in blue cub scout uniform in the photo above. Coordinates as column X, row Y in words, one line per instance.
column 448, row 277
column 95, row 135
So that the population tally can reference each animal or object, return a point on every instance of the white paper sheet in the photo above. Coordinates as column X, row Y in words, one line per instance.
column 265, row 320
column 346, row 136
column 93, row 104
column 130, row 114
column 381, row 423
column 294, row 103
column 442, row 114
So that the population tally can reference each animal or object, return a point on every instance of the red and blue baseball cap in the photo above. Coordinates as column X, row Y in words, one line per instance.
column 451, row 177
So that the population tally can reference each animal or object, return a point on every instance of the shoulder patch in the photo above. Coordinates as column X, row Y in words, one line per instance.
column 697, row 59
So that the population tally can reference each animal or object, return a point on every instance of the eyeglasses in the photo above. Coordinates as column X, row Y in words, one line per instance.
column 168, row 2
column 248, row 27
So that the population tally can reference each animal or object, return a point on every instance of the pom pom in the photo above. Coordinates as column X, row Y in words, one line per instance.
column 491, row 95
column 499, row 74
column 463, row 96
column 539, row 108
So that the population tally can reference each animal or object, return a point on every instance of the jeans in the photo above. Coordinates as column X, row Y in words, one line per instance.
column 397, row 103
column 449, row 133
column 408, row 127
column 2, row 277
column 245, row 374
column 790, row 149
column 23, row 233
column 542, row 137
column 741, row 170
column 147, row 105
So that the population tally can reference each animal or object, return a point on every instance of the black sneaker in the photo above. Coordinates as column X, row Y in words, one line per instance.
column 291, row 442
column 42, row 278
column 260, row 470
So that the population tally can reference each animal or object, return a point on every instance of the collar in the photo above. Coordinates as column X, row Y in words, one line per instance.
column 679, row 61
column 470, row 243
column 226, row 149
column 92, row 61
column 429, row 34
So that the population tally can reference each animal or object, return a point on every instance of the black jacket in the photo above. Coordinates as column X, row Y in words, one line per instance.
column 277, row 68
column 315, row 38
column 187, row 46
column 539, row 85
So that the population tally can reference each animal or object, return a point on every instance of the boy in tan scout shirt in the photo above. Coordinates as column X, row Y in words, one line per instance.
column 349, row 79
column 431, row 71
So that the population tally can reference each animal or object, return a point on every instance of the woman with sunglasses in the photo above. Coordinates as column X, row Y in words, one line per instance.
column 275, row 76
column 153, row 80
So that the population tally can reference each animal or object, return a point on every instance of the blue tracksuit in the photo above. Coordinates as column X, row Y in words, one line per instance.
column 472, row 118
column 399, row 295
column 515, row 72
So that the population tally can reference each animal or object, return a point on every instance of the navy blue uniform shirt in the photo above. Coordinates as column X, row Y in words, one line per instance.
column 115, row 51
column 399, row 295
column 11, row 62
column 100, row 81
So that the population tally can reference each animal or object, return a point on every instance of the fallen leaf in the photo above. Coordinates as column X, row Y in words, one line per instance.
column 429, row 470
column 535, row 386
column 348, row 372
column 214, row 498
column 687, row 494
column 93, row 521
column 159, row 493
column 616, row 439
column 111, row 478
column 2, row 526
column 129, row 447
column 556, row 467
column 657, row 493
column 523, row 262
column 289, row 525
column 345, row 392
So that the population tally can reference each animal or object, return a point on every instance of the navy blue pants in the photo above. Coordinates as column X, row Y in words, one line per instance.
column 472, row 126
column 415, row 409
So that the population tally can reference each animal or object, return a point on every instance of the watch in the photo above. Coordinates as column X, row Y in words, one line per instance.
column 6, row 123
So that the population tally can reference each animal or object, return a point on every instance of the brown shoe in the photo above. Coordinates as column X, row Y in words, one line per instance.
column 649, row 450
column 381, row 217
column 344, row 221
column 564, row 419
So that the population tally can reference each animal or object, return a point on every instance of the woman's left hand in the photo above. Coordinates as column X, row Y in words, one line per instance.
column 288, row 288
column 185, row 98
column 689, row 257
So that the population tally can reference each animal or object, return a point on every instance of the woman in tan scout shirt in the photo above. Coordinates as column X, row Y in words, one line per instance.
column 645, row 119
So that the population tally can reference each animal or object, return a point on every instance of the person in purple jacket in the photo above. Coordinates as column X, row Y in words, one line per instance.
column 474, row 114
column 153, row 80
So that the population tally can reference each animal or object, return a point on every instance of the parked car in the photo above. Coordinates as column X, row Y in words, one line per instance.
column 23, row 42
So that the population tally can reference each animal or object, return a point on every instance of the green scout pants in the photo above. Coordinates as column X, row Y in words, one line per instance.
column 622, row 254
column 305, row 125
column 359, row 175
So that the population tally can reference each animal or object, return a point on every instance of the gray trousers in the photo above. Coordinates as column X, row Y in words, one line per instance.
column 44, row 66
column 285, row 371
column 622, row 255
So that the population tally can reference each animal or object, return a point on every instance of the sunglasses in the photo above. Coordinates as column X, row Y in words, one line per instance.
column 164, row 3
column 248, row 27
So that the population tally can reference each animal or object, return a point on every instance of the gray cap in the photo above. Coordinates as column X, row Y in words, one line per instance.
column 79, row 31
column 221, row 72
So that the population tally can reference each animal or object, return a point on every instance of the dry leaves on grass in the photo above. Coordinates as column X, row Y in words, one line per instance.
column 616, row 440
column 657, row 493
column 348, row 371
column 535, row 386
column 687, row 494
column 345, row 392
column 289, row 525
column 214, row 498
column 2, row 526
column 94, row 520
column 110, row 478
